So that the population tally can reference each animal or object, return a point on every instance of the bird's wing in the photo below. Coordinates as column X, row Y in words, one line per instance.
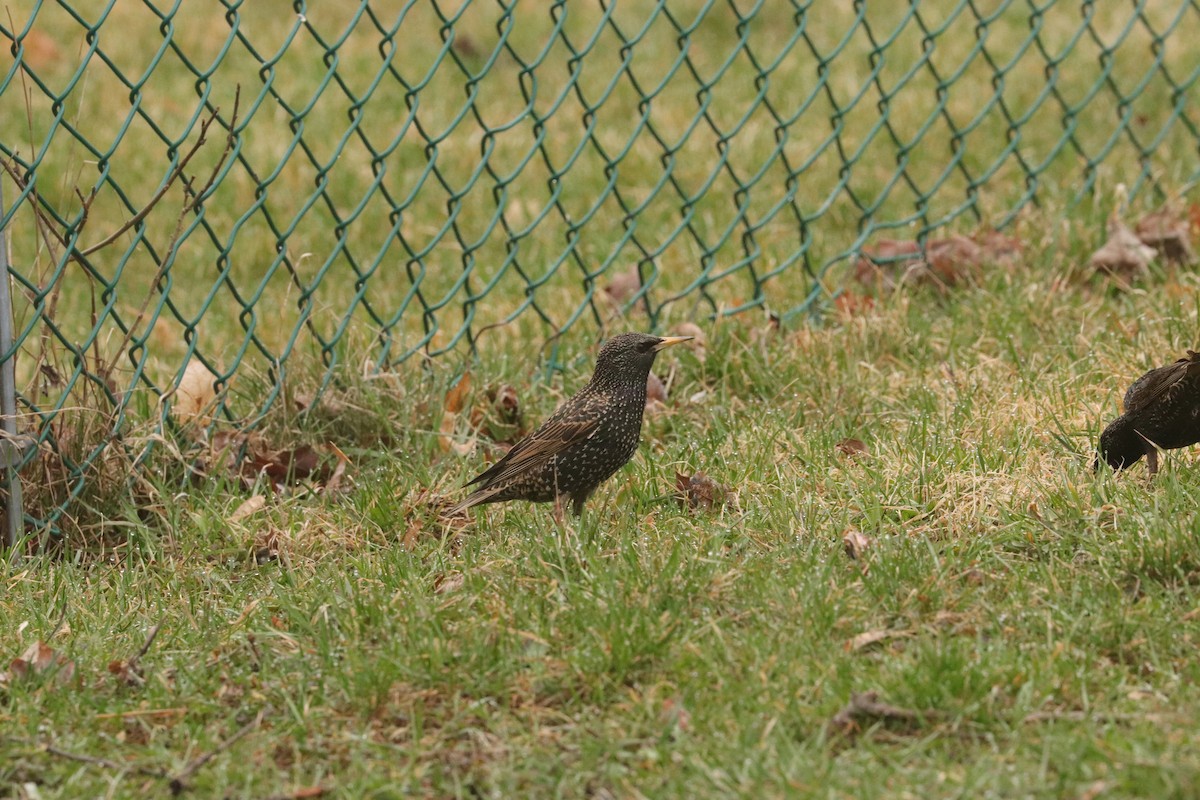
column 1159, row 382
column 554, row 437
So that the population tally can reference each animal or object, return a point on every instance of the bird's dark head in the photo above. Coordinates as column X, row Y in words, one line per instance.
column 630, row 355
column 1121, row 445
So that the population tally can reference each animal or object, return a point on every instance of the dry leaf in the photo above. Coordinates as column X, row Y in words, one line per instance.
column 40, row 659
column 1169, row 234
column 248, row 507
column 448, row 582
column 945, row 262
column 698, row 491
column 41, row 51
column 868, row 638
column 248, row 456
column 656, row 390
column 465, row 46
column 127, row 673
column 456, row 398
column 852, row 447
column 334, row 484
column 195, row 394
column 1123, row 254
column 675, row 715
column 856, row 543
column 851, row 304
column 499, row 416
column 623, row 286
column 699, row 339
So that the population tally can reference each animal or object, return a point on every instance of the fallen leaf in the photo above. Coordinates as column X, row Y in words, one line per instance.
column 675, row 715
column 698, row 491
column 41, row 51
column 945, row 262
column 195, row 394
column 334, row 484
column 699, row 339
column 868, row 638
column 448, row 582
column 248, row 456
column 40, row 659
column 1123, row 254
column 1095, row 789
column 465, row 46
column 248, row 507
column 894, row 262
column 623, row 286
column 127, row 673
column 997, row 248
column 1169, row 234
column 656, row 390
column 856, row 543
column 456, row 398
column 852, row 447
column 285, row 467
column 498, row 416
column 852, row 304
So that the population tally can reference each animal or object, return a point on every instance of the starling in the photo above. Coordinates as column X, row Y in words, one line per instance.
column 1162, row 410
column 585, row 440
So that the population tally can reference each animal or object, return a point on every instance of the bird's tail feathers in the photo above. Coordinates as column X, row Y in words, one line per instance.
column 473, row 499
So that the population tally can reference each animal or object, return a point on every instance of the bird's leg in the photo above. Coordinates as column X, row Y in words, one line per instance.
column 1152, row 459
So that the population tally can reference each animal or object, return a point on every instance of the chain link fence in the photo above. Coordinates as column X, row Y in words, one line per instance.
column 258, row 192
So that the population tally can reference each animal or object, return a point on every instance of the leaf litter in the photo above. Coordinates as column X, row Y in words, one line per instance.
column 944, row 262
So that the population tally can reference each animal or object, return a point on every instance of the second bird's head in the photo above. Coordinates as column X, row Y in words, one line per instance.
column 631, row 355
column 1120, row 445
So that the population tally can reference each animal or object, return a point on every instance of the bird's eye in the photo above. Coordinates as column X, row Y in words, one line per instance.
column 647, row 346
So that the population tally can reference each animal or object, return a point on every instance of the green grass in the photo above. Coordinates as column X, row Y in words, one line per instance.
column 1041, row 618
column 1035, row 624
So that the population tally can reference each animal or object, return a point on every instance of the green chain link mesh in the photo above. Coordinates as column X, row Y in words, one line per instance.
column 263, row 187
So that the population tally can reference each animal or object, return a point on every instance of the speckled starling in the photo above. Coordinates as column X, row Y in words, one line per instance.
column 1162, row 410
column 585, row 440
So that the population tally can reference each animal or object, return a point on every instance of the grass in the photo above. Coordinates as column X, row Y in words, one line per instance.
column 1031, row 625
column 1040, row 619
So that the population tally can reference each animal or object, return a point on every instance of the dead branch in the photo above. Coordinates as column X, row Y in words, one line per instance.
column 103, row 762
column 170, row 181
column 189, row 204
column 145, row 648
column 178, row 781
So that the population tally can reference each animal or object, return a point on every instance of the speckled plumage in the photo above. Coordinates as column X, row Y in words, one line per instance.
column 1162, row 410
column 586, row 440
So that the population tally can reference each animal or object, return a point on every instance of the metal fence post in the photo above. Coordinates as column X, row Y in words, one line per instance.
column 13, row 511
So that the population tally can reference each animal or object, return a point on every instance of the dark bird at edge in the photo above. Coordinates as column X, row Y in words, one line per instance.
column 586, row 440
column 1162, row 411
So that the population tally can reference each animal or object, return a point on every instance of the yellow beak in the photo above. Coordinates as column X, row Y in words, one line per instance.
column 668, row 341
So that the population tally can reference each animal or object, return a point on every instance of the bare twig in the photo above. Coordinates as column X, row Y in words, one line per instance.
column 178, row 781
column 170, row 181
column 146, row 646
column 103, row 762
column 189, row 204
